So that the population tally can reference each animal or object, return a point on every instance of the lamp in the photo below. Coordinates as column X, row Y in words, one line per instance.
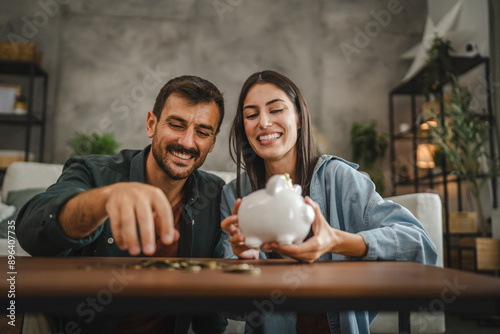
column 425, row 156
column 427, row 125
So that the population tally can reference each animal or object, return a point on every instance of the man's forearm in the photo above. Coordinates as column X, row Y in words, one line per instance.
column 84, row 213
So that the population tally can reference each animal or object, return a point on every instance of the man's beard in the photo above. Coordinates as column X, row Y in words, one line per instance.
column 162, row 161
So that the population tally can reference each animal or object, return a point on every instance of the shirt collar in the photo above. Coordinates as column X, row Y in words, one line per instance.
column 325, row 157
column 138, row 166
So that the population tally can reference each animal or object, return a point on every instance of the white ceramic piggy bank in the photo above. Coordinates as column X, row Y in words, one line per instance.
column 277, row 213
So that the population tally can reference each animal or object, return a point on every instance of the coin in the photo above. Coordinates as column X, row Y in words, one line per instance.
column 243, row 268
column 193, row 269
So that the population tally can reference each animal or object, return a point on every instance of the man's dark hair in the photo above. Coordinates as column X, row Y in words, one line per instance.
column 194, row 89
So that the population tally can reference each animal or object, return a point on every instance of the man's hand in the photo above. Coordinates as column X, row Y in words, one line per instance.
column 129, row 206
column 237, row 240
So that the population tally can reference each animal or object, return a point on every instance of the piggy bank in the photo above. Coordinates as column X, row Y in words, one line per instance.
column 276, row 213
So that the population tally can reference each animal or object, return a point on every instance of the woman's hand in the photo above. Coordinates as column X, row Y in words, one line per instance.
column 237, row 240
column 325, row 239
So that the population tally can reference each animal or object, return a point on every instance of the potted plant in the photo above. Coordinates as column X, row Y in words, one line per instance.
column 462, row 137
column 21, row 105
column 368, row 147
column 93, row 143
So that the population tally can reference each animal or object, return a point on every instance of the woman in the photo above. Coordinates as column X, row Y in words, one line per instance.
column 271, row 134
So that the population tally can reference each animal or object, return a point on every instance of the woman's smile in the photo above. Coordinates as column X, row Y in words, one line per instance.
column 268, row 138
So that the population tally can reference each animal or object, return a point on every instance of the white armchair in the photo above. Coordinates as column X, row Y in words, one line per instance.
column 22, row 180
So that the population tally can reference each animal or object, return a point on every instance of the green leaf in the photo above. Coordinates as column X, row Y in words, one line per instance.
column 93, row 143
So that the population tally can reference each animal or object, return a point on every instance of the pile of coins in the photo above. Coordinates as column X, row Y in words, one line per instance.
column 186, row 265
column 192, row 266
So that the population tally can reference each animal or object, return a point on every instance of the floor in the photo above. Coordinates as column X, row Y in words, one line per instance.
column 468, row 325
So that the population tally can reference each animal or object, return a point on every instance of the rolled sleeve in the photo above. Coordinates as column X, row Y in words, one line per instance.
column 37, row 226
column 53, row 229
column 39, row 231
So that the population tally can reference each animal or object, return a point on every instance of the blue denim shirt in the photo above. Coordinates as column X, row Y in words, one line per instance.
column 349, row 202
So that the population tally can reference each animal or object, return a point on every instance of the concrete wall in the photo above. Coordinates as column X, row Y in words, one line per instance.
column 108, row 59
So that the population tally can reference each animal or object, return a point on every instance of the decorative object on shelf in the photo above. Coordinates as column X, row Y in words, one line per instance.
column 369, row 147
column 462, row 135
column 484, row 252
column 9, row 156
column 425, row 154
column 403, row 127
column 93, row 143
column 463, row 222
column 21, row 52
column 8, row 95
column 21, row 105
column 445, row 29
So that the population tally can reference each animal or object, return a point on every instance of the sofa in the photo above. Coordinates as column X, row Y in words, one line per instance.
column 25, row 179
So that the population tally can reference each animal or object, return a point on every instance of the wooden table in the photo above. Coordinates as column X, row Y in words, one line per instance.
column 62, row 285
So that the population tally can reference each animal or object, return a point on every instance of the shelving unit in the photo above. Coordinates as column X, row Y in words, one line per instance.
column 413, row 89
column 31, row 72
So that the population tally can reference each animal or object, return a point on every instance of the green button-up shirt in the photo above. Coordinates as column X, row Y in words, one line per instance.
column 40, row 234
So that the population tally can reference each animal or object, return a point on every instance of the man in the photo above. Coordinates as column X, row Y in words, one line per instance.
column 153, row 201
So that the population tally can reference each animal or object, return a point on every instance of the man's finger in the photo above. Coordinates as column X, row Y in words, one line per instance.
column 129, row 228
column 114, row 222
column 164, row 219
column 144, row 216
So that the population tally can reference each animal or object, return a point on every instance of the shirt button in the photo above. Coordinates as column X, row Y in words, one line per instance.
column 110, row 241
